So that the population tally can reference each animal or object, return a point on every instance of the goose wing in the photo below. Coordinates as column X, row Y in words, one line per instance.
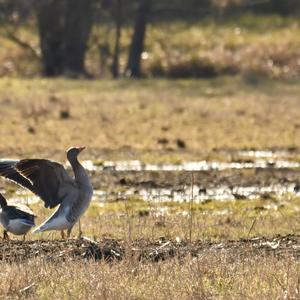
column 43, row 177
column 14, row 212
column 7, row 170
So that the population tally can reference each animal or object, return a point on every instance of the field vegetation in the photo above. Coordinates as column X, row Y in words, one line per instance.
column 147, row 118
column 264, row 45
column 218, row 274
column 242, row 94
column 128, row 120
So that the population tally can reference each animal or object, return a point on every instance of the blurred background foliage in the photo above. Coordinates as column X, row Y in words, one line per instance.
column 150, row 38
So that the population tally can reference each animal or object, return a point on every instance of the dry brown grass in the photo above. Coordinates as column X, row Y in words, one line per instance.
column 229, row 220
column 126, row 119
column 46, row 116
column 222, row 276
column 218, row 274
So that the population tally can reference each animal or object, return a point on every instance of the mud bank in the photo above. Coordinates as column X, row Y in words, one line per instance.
column 146, row 250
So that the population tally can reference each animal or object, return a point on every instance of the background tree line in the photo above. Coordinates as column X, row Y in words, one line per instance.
column 65, row 26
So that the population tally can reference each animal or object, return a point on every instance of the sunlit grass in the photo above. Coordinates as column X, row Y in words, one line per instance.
column 221, row 274
column 212, row 220
column 121, row 120
column 126, row 120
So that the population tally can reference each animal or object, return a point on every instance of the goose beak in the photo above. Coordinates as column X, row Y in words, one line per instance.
column 81, row 148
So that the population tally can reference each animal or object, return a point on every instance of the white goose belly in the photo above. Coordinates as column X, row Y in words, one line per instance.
column 17, row 227
column 70, row 210
column 58, row 223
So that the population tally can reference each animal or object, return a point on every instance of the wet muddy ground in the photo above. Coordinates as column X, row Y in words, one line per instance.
column 206, row 185
column 249, row 175
column 246, row 175
column 262, row 174
column 146, row 250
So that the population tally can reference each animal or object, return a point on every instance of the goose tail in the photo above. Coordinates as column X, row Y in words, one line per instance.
column 40, row 228
column 53, row 223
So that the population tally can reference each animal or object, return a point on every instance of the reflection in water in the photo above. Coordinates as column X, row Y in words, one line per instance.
column 136, row 165
column 258, row 159
column 184, row 194
column 264, row 153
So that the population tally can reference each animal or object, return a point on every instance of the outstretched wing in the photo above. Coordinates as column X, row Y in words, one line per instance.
column 43, row 177
column 7, row 170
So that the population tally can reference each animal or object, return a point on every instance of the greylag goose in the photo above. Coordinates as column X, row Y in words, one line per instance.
column 50, row 181
column 15, row 219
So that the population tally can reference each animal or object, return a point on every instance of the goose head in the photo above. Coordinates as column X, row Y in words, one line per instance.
column 73, row 152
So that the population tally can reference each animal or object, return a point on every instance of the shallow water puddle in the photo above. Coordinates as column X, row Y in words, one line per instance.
column 197, row 194
column 136, row 165
column 239, row 190
column 265, row 153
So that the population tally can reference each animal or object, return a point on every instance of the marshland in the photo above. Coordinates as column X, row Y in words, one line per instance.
column 195, row 166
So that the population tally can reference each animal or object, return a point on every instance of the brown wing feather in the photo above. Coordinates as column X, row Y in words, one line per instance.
column 46, row 177
column 7, row 170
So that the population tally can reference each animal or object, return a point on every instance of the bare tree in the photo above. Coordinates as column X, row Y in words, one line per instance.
column 50, row 16
column 118, row 17
column 64, row 28
column 137, row 43
column 78, row 25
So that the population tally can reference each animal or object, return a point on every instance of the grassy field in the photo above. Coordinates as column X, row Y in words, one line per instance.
column 164, row 121
column 217, row 275
column 147, row 118
column 127, row 120
column 207, row 277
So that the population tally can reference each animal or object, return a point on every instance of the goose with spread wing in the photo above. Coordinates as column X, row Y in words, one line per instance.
column 50, row 181
column 15, row 219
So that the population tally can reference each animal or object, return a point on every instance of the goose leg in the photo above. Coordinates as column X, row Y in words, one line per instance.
column 69, row 232
column 79, row 230
column 62, row 234
column 24, row 237
column 5, row 236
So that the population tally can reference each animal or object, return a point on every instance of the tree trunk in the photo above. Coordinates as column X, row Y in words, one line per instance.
column 137, row 44
column 118, row 14
column 78, row 25
column 64, row 29
column 50, row 16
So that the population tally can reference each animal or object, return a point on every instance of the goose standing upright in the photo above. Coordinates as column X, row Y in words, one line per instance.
column 50, row 181
column 14, row 219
